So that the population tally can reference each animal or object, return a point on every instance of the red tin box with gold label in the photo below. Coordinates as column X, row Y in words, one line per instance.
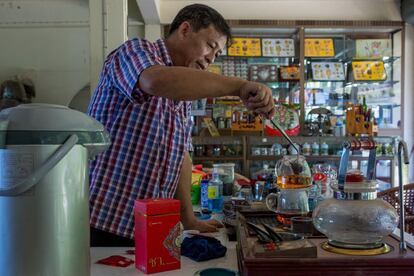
column 157, row 235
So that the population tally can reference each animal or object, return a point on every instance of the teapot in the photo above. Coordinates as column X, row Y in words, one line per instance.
column 293, row 179
column 355, row 218
column 288, row 203
column 359, row 220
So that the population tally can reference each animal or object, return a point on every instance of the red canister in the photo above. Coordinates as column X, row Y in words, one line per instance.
column 157, row 235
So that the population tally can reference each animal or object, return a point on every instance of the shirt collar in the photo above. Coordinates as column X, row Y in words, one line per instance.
column 164, row 51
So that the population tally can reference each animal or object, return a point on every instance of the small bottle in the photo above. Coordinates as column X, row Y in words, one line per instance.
column 221, row 123
column 204, row 194
column 215, row 193
column 364, row 105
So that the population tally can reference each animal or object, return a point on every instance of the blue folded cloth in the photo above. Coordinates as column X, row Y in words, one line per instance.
column 201, row 248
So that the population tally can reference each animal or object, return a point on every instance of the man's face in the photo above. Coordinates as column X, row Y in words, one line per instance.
column 201, row 48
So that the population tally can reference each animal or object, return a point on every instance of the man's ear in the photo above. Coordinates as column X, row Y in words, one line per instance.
column 184, row 30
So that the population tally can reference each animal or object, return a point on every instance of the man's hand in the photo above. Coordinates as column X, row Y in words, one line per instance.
column 203, row 226
column 258, row 98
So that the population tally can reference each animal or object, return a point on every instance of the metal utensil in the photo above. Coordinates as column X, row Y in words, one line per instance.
column 296, row 166
column 279, row 128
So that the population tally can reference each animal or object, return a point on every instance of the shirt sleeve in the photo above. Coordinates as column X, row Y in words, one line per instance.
column 128, row 62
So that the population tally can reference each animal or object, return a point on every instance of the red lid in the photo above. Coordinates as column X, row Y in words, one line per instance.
column 198, row 167
column 319, row 177
column 157, row 206
column 244, row 182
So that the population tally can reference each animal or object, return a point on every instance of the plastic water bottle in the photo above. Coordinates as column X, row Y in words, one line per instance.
column 215, row 193
column 204, row 194
column 314, row 196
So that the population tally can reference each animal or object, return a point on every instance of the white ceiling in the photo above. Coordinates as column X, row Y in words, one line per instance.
column 163, row 11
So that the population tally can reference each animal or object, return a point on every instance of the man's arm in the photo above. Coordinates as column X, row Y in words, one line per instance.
column 183, row 83
column 183, row 194
column 187, row 83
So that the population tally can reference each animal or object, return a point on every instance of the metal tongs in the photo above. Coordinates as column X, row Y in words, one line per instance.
column 296, row 166
column 265, row 236
column 281, row 130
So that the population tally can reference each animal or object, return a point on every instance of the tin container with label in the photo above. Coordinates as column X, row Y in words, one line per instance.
column 315, row 148
column 324, row 149
column 157, row 235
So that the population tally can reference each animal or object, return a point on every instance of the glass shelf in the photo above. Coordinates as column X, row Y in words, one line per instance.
column 358, row 83
column 331, row 83
column 309, row 60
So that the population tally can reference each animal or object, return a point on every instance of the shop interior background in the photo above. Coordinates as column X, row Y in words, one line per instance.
column 61, row 44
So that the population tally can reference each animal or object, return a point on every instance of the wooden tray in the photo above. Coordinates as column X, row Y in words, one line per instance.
column 325, row 263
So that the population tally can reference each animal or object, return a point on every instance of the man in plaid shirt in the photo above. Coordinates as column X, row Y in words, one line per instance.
column 143, row 99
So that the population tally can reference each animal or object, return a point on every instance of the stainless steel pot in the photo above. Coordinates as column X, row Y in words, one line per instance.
column 44, row 214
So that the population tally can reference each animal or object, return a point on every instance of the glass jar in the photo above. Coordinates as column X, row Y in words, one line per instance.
column 293, row 172
column 216, row 150
column 225, row 172
column 288, row 203
column 199, row 150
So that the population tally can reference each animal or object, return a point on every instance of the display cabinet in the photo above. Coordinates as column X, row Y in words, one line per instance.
column 354, row 65
column 319, row 68
column 274, row 61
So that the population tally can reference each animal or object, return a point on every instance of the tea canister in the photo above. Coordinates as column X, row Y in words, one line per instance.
column 315, row 149
column 256, row 151
column 276, row 149
column 264, row 151
column 306, row 149
column 292, row 150
column 324, row 149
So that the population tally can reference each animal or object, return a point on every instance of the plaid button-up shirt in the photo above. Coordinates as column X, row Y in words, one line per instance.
column 149, row 136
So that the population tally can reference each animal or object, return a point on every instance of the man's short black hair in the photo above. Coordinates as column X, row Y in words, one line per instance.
column 201, row 16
